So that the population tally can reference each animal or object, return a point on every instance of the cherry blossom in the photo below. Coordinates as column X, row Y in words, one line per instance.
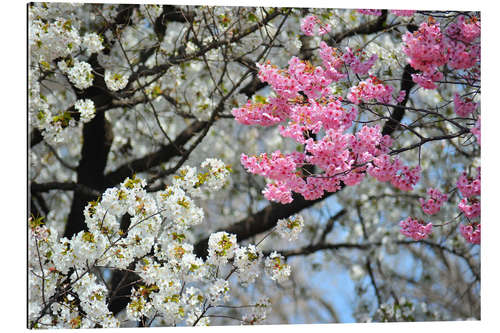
column 433, row 204
column 471, row 232
column 415, row 229
column 310, row 22
column 374, row 12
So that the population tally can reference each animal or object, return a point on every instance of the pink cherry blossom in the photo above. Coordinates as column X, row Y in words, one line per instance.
column 434, row 203
column 383, row 168
column 463, row 107
column 278, row 192
column 332, row 62
column 403, row 12
column 471, row 232
column 267, row 114
column 369, row 89
column 429, row 48
column 427, row 80
column 406, row 178
column 470, row 207
column 462, row 40
column 311, row 80
column 303, row 106
column 281, row 82
column 374, row 12
column 309, row 24
column 356, row 63
column 468, row 186
column 415, row 229
column 425, row 47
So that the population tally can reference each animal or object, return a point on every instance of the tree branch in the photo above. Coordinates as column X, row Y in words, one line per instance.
column 363, row 29
column 80, row 188
column 262, row 221
column 156, row 158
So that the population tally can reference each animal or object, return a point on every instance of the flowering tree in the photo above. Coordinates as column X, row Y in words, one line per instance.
column 227, row 165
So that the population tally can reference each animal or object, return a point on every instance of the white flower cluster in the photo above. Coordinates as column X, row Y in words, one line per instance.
column 115, row 81
column 86, row 108
column 51, row 40
column 259, row 312
column 39, row 244
column 179, row 208
column 218, row 291
column 188, row 179
column 80, row 74
column 221, row 247
column 54, row 34
column 92, row 296
column 403, row 311
column 247, row 260
column 291, row 227
column 218, row 172
column 197, row 183
column 55, row 133
column 176, row 285
column 276, row 267
column 92, row 42
column 292, row 43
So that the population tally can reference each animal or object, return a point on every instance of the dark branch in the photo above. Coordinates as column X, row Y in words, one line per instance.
column 399, row 111
column 364, row 29
column 156, row 158
column 262, row 221
column 45, row 187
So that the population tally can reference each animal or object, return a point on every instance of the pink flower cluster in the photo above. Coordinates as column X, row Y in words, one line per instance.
column 433, row 205
column 279, row 79
column 312, row 117
column 425, row 51
column 374, row 12
column 263, row 114
column 428, row 49
column 342, row 157
column 463, row 107
column 401, row 96
column 400, row 176
column 371, row 88
column 426, row 80
column 470, row 189
column 415, row 229
column 462, row 48
column 278, row 192
column 471, row 232
column 370, row 140
column 425, row 47
column 403, row 12
column 309, row 24
column 310, row 79
column 471, row 207
column 336, row 154
column 300, row 76
column 333, row 61
column 304, row 101
column 306, row 113
column 280, row 168
column 468, row 186
column 357, row 66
